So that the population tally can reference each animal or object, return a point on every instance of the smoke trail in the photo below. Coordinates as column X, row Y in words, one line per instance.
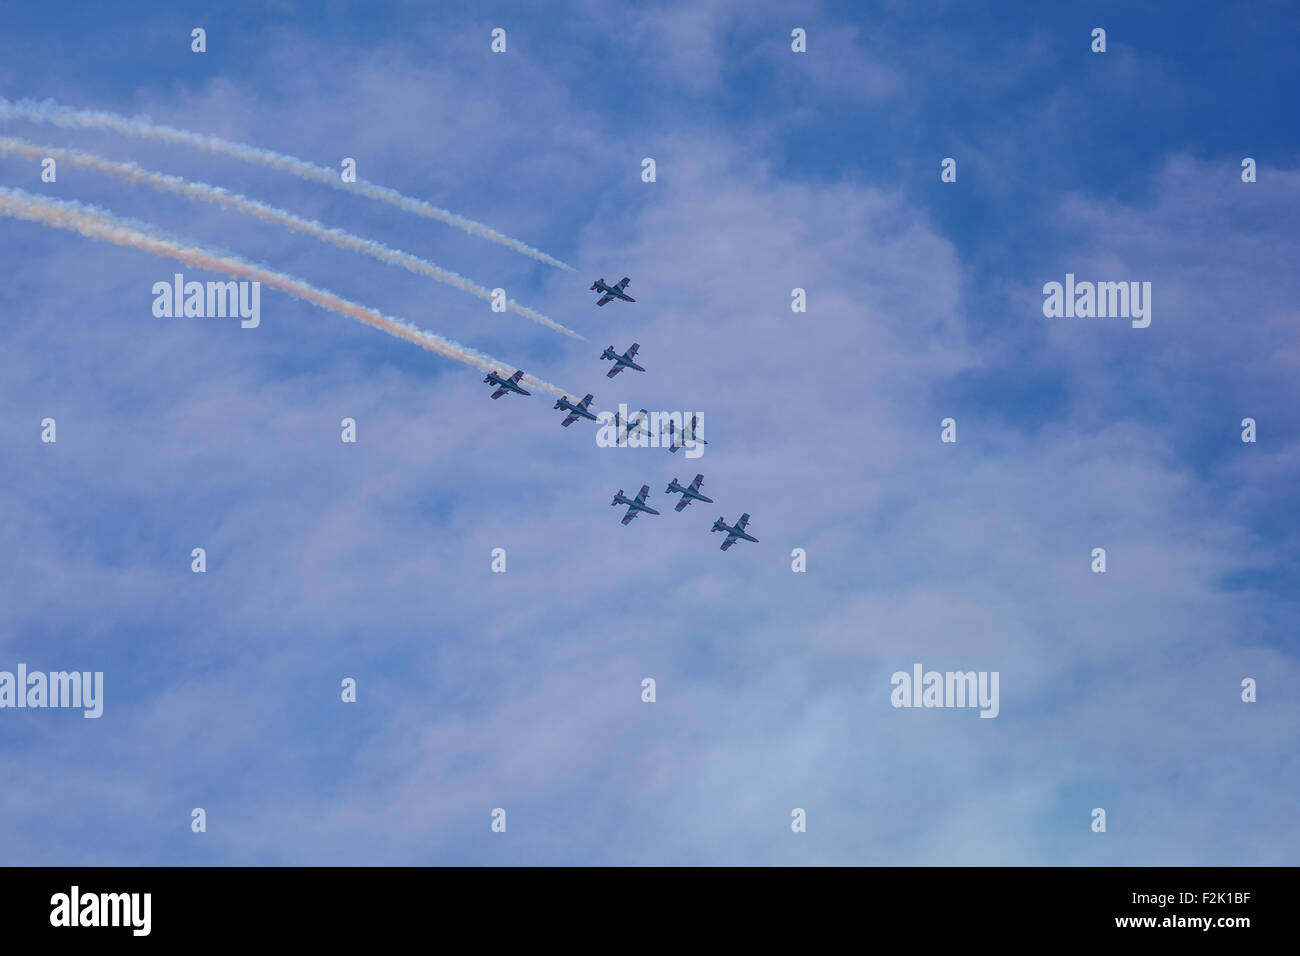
column 133, row 174
column 47, row 111
column 99, row 224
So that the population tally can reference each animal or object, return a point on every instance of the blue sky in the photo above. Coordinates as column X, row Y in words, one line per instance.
column 522, row 690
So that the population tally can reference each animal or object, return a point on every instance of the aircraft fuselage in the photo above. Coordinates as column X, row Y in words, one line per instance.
column 688, row 491
column 575, row 409
column 622, row 360
column 733, row 531
column 492, row 378
column 633, row 504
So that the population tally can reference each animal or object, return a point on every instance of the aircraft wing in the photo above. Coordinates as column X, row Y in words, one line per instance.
column 645, row 490
column 744, row 520
column 586, row 402
column 570, row 420
column 631, row 353
column 604, row 299
column 695, row 485
column 731, row 539
column 682, row 504
column 517, row 376
column 614, row 371
column 631, row 513
column 622, row 283
column 498, row 393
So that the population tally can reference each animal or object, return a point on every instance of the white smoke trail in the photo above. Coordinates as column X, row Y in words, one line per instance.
column 133, row 174
column 47, row 111
column 99, row 224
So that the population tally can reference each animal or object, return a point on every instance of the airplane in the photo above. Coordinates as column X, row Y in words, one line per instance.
column 738, row 531
column 580, row 410
column 504, row 385
column 634, row 425
column 621, row 361
column 688, row 492
column 687, row 434
column 611, row 291
column 634, row 504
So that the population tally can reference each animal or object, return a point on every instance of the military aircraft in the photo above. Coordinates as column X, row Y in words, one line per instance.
column 738, row 531
column 621, row 361
column 688, row 492
column 611, row 291
column 687, row 434
column 504, row 385
column 580, row 410
column 637, row 424
column 633, row 504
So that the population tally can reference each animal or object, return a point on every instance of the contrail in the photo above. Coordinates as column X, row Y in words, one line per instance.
column 99, row 224
column 131, row 173
column 47, row 111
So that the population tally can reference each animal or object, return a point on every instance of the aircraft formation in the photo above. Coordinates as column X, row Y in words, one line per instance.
column 636, row 424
